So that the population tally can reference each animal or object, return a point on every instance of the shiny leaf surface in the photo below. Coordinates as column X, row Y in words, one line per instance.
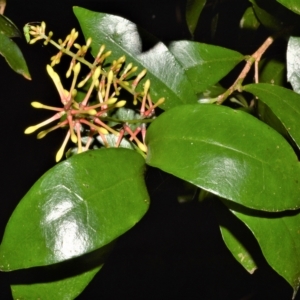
column 193, row 11
column 293, row 63
column 204, row 64
column 8, row 28
column 13, row 55
column 76, row 207
column 293, row 5
column 227, row 152
column 278, row 237
column 122, row 37
column 284, row 103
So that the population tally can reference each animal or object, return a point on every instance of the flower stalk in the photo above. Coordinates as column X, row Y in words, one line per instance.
column 93, row 115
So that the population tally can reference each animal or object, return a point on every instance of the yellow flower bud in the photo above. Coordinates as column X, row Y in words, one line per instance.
column 31, row 129
column 96, row 73
column 37, row 104
column 110, row 77
column 120, row 103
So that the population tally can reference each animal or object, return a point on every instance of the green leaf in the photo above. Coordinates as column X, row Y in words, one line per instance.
column 76, row 207
column 227, row 152
column 13, row 56
column 204, row 64
column 292, row 5
column 68, row 288
column 249, row 20
column 267, row 116
column 293, row 63
column 238, row 238
column 284, row 103
column 274, row 16
column 60, row 281
column 278, row 237
column 265, row 18
column 238, row 250
column 272, row 71
column 193, row 11
column 8, row 28
column 122, row 37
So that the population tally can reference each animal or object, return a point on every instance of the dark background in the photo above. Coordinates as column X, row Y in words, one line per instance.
column 176, row 251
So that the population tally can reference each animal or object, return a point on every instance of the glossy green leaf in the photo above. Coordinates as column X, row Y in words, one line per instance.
column 293, row 63
column 60, row 281
column 204, row 64
column 8, row 28
column 122, row 37
column 274, row 16
column 227, row 152
column 278, row 237
column 293, row 5
column 265, row 18
column 76, row 207
column 193, row 11
column 13, row 55
column 249, row 20
column 284, row 103
column 267, row 116
column 272, row 71
column 238, row 250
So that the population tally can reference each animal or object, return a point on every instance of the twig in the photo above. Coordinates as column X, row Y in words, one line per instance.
column 2, row 6
column 254, row 58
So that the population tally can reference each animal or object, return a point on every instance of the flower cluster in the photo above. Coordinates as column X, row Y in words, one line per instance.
column 97, row 113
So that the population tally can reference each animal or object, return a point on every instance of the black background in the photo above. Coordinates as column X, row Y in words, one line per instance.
column 176, row 251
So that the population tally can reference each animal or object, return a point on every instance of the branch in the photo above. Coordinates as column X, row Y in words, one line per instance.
column 2, row 6
column 253, row 59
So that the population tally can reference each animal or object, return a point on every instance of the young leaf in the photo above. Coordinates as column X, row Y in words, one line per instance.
column 278, row 237
column 227, row 152
column 293, row 5
column 13, row 55
column 76, row 207
column 284, row 103
column 122, row 37
column 198, row 60
column 193, row 11
column 293, row 63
